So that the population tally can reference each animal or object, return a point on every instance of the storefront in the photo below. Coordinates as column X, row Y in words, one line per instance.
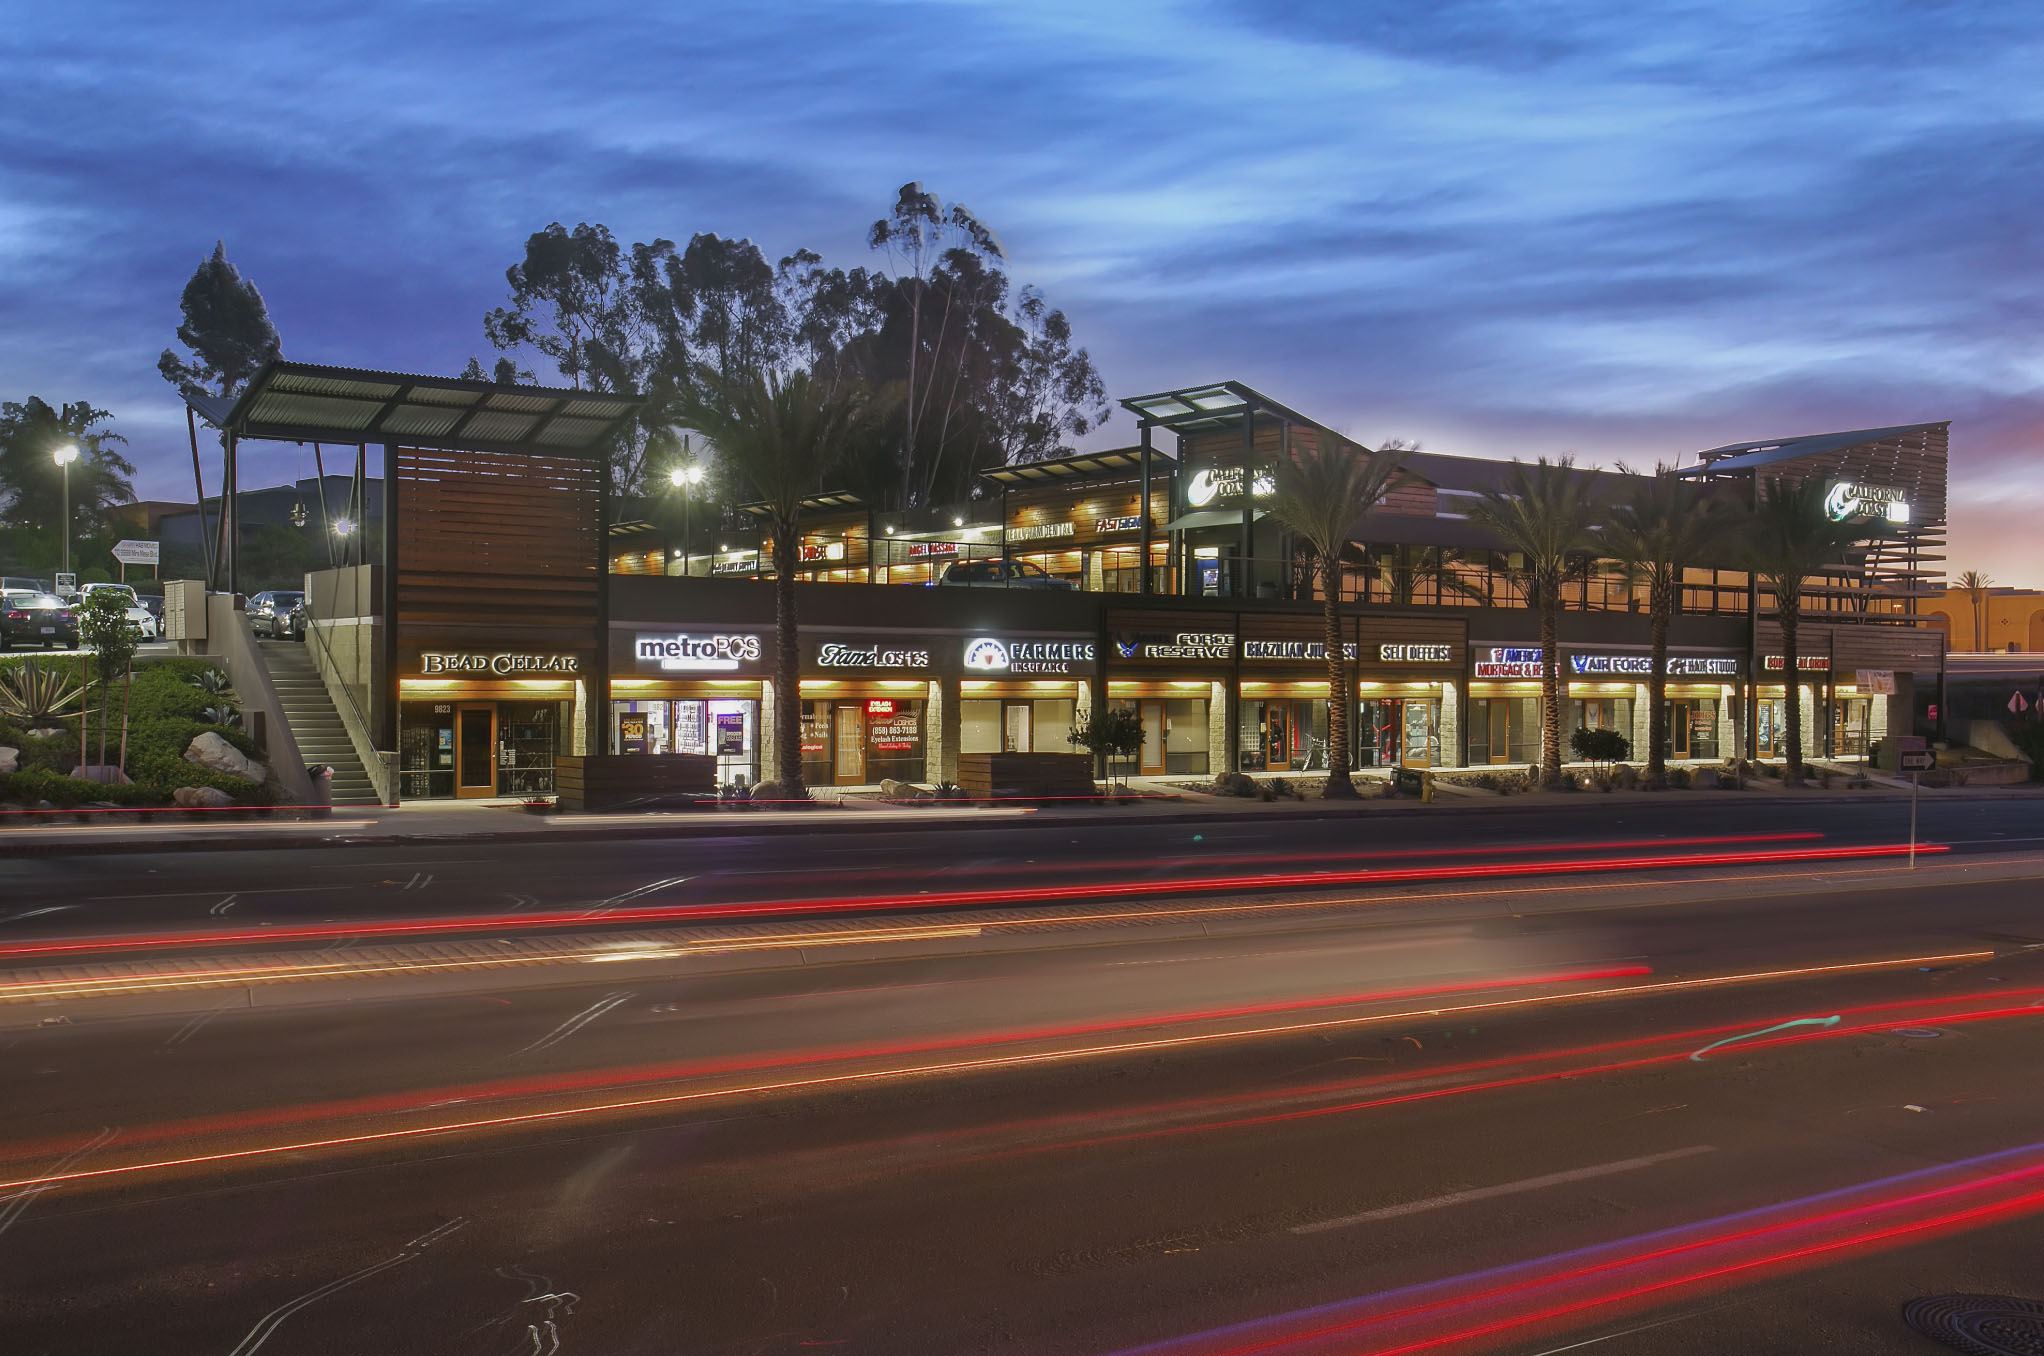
column 1602, row 689
column 1281, row 716
column 1022, row 693
column 692, row 690
column 1770, row 705
column 1174, row 670
column 866, row 706
column 482, row 724
column 1408, row 696
column 1504, row 705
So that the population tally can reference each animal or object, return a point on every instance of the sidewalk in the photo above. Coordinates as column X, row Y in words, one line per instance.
column 508, row 822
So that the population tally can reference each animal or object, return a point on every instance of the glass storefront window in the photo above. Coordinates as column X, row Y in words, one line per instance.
column 861, row 741
column 1692, row 727
column 725, row 728
column 1504, row 730
column 1284, row 735
column 1849, row 727
column 470, row 748
column 1399, row 732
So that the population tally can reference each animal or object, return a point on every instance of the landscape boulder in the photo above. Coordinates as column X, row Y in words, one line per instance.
column 212, row 752
column 10, row 760
column 895, row 789
column 1704, row 779
column 201, row 797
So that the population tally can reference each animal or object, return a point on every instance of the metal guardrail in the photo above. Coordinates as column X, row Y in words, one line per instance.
column 358, row 729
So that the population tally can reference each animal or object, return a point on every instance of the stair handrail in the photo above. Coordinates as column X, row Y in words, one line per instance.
column 372, row 766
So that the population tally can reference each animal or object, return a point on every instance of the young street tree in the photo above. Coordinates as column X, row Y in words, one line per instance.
column 781, row 434
column 226, row 329
column 1790, row 538
column 1543, row 511
column 1323, row 493
column 1665, row 523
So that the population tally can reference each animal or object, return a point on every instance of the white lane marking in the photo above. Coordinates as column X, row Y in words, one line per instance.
column 223, row 906
column 419, row 880
column 267, row 1327
column 519, row 901
column 33, row 913
column 191, row 1028
column 1627, row 1332
column 579, row 1020
column 1504, row 1189
column 640, row 893
column 13, row 1207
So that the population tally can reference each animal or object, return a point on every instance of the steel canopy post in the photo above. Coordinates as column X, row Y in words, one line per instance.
column 387, row 727
column 1143, row 514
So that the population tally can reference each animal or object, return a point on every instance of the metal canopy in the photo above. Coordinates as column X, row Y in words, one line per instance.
column 1741, row 456
column 1122, row 461
column 312, row 403
column 838, row 500
column 1203, row 409
column 1217, row 517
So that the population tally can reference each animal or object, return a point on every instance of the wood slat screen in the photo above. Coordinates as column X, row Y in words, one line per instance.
column 498, row 547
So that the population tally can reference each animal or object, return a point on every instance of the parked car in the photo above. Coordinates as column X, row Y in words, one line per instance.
column 140, row 619
column 28, row 618
column 13, row 584
column 269, row 612
column 294, row 621
column 999, row 574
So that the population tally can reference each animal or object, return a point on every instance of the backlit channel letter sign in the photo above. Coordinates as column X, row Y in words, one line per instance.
column 698, row 652
column 1846, row 499
column 832, row 655
column 1415, row 654
column 1805, row 663
column 1183, row 645
column 500, row 665
column 1508, row 662
column 1224, row 482
column 1292, row 649
column 1053, row 658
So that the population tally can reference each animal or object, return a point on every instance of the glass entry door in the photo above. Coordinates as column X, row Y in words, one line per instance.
column 475, row 752
column 1153, row 739
column 848, row 762
column 1015, row 732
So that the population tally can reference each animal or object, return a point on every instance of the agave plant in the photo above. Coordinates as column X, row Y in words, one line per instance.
column 32, row 696
column 222, row 715
column 212, row 681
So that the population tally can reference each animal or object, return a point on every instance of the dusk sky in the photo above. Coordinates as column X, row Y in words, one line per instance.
column 1534, row 227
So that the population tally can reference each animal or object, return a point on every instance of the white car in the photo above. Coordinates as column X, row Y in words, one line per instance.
column 139, row 617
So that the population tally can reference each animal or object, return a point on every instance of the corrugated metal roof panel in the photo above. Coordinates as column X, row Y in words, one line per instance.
column 278, row 407
column 420, row 421
column 499, row 426
column 333, row 386
column 564, row 432
column 504, row 400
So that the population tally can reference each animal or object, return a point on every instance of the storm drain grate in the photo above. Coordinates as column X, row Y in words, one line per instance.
column 1984, row 1325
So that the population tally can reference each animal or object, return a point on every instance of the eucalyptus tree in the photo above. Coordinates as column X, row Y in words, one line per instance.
column 1544, row 511
column 1664, row 523
column 1788, row 538
column 1324, row 490
column 780, row 434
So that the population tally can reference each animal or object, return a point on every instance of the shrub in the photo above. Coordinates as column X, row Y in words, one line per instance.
column 34, row 785
column 1234, row 784
column 1680, row 779
column 1599, row 746
column 2028, row 737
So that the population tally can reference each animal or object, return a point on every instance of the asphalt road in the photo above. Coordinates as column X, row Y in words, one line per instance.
column 1497, row 1116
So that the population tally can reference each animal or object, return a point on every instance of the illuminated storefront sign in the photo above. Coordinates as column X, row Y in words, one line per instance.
column 830, row 550
column 1845, row 499
column 1224, row 482
column 1415, row 654
column 1183, row 645
column 1642, row 666
column 744, row 564
column 1130, row 523
column 698, row 652
column 918, row 549
column 1039, row 531
column 1805, row 663
column 497, row 665
column 1056, row 658
column 833, row 655
column 1508, row 662
column 1292, row 649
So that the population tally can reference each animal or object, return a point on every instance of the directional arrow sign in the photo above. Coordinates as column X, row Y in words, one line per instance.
column 137, row 552
column 1918, row 761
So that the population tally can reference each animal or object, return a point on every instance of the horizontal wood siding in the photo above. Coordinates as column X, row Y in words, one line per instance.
column 611, row 780
column 1029, row 776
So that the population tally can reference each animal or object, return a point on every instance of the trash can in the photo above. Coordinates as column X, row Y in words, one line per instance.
column 322, row 789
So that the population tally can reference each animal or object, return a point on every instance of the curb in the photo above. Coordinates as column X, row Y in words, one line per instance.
column 722, row 825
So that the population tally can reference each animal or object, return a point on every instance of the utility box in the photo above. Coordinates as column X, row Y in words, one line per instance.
column 184, row 611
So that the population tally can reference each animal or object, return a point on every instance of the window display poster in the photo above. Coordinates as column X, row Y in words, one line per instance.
column 730, row 734
column 897, row 731
column 631, row 733
column 690, row 734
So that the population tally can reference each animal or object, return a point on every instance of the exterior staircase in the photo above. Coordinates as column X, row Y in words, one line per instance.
column 314, row 721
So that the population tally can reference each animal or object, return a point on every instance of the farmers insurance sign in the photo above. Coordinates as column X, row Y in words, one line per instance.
column 1053, row 658
column 698, row 651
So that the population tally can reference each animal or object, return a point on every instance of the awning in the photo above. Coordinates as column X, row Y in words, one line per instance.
column 1220, row 517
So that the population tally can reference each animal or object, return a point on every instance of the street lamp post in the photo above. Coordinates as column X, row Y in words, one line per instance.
column 685, row 478
column 65, row 455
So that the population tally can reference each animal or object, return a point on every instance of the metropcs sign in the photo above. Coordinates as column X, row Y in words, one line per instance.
column 687, row 652
column 1846, row 499
column 500, row 665
column 993, row 654
column 1224, row 482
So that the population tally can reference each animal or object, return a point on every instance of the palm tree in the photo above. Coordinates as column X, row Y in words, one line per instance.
column 781, row 434
column 1663, row 525
column 1976, row 584
column 1544, row 511
column 1789, row 537
column 1406, row 572
column 1322, row 493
